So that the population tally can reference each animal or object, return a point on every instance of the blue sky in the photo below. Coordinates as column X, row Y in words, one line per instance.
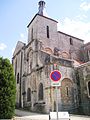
column 73, row 17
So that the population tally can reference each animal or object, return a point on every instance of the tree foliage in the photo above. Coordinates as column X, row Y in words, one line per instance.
column 7, row 89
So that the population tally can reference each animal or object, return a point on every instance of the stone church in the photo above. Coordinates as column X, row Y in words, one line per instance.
column 47, row 50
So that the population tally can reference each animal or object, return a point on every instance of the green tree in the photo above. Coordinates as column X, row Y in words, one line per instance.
column 7, row 89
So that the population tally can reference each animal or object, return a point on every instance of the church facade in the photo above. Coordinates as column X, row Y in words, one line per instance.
column 48, row 50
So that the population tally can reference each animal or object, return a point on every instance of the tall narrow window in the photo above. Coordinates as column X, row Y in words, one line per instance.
column 67, row 91
column 89, row 88
column 47, row 31
column 28, row 94
column 17, row 78
column 71, row 41
column 15, row 67
column 40, row 95
column 32, row 34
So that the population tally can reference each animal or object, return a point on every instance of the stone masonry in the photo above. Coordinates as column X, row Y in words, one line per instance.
column 48, row 50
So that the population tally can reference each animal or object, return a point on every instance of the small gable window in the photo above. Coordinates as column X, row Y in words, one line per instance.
column 71, row 41
column 47, row 31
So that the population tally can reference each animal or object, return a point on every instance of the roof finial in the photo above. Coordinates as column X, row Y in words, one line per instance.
column 41, row 7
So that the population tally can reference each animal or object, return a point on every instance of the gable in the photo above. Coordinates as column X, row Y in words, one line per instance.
column 41, row 16
column 18, row 47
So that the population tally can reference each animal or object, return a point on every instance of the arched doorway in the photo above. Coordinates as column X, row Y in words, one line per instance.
column 67, row 94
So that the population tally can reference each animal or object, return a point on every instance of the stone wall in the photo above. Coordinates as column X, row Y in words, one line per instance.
column 34, row 62
column 64, row 43
column 41, row 74
column 69, row 44
column 85, row 52
column 84, row 78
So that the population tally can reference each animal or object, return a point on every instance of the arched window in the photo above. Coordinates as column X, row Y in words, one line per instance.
column 28, row 94
column 30, row 59
column 65, row 55
column 67, row 91
column 89, row 88
column 17, row 78
column 40, row 95
column 48, row 50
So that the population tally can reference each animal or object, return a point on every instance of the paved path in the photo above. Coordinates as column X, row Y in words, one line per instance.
column 35, row 116
column 30, row 115
column 79, row 117
column 24, row 113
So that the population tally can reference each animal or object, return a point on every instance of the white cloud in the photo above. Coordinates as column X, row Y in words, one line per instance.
column 2, row 46
column 81, row 17
column 23, row 38
column 85, row 6
column 76, row 28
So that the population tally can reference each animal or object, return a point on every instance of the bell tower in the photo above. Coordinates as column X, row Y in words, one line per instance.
column 41, row 7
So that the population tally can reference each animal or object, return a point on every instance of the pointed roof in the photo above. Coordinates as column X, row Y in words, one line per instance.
column 40, row 16
column 18, row 47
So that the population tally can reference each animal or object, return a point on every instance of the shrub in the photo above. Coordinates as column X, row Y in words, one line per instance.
column 7, row 89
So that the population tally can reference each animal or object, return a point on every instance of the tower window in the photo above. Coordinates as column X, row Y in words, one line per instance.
column 32, row 34
column 71, row 41
column 47, row 31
